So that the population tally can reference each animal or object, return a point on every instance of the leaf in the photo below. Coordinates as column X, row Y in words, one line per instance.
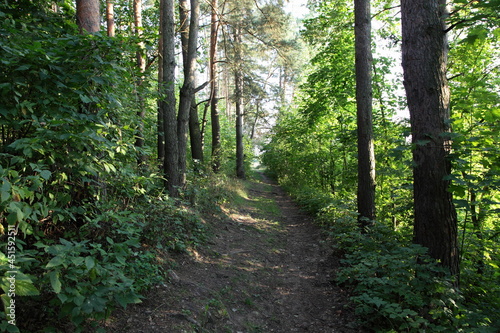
column 90, row 263
column 77, row 261
column 422, row 142
column 62, row 297
column 457, row 190
column 26, row 288
column 5, row 300
column 493, row 114
column 5, row 190
column 16, row 214
column 78, row 300
column 12, row 218
column 45, row 174
column 54, row 262
column 129, row 298
column 461, row 203
column 85, row 99
column 55, row 282
column 23, row 67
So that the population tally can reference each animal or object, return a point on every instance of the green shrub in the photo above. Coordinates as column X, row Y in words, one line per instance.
column 88, row 279
column 397, row 287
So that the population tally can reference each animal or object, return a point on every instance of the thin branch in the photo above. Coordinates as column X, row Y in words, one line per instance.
column 201, row 87
column 384, row 10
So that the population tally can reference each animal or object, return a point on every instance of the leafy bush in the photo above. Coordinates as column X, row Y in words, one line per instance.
column 88, row 278
column 172, row 227
column 396, row 286
column 91, row 226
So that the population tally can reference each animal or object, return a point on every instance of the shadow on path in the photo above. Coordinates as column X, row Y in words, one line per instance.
column 265, row 270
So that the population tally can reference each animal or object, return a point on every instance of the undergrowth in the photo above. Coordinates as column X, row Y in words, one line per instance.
column 71, row 274
column 396, row 286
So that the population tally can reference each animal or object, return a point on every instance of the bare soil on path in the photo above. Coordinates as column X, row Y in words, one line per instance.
column 265, row 269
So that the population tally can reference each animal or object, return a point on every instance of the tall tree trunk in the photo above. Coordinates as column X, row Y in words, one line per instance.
column 141, row 64
column 160, row 127
column 168, row 101
column 238, row 86
column 110, row 18
column 214, row 111
column 257, row 115
column 88, row 16
column 189, row 62
column 424, row 63
column 195, row 134
column 204, row 121
column 189, row 37
column 366, row 154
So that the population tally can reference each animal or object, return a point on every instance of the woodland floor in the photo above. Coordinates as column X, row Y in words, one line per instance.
column 266, row 269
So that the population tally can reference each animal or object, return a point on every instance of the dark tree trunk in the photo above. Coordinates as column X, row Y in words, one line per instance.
column 168, row 101
column 161, row 129
column 214, row 111
column 424, row 64
column 189, row 59
column 195, row 135
column 88, row 16
column 238, row 84
column 366, row 154
column 256, row 119
column 189, row 38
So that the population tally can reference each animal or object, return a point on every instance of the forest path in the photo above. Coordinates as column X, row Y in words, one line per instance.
column 264, row 270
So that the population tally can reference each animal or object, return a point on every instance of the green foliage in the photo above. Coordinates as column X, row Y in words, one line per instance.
column 92, row 226
column 88, row 278
column 172, row 228
column 395, row 285
column 313, row 154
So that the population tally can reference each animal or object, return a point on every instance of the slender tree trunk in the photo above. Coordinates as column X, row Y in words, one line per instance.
column 204, row 121
column 168, row 101
column 189, row 62
column 238, row 85
column 424, row 63
column 257, row 115
column 214, row 111
column 88, row 16
column 110, row 18
column 141, row 64
column 161, row 128
column 189, row 37
column 366, row 154
column 195, row 135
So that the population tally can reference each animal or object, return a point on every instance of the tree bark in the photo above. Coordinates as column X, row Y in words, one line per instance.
column 189, row 37
column 424, row 63
column 366, row 154
column 110, row 18
column 160, row 127
column 214, row 111
column 168, row 101
column 195, row 134
column 238, row 87
column 88, row 16
column 141, row 64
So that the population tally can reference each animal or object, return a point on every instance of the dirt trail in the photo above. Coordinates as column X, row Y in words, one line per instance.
column 265, row 270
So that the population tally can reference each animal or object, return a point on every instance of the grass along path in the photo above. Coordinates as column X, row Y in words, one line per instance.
column 264, row 270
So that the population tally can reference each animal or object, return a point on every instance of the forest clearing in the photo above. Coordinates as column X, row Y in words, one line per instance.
column 130, row 135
